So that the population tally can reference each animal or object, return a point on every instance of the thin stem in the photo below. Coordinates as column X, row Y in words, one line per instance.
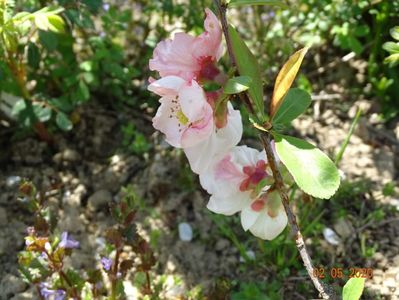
column 300, row 244
column 222, row 14
column 39, row 292
column 147, row 276
column 279, row 183
column 114, row 277
column 223, row 20
column 74, row 291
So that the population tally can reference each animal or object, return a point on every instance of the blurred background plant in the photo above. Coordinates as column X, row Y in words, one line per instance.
column 43, row 262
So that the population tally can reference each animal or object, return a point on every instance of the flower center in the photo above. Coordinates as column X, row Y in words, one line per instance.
column 255, row 174
column 182, row 117
column 208, row 69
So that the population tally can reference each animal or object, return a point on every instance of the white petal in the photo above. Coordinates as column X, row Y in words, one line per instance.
column 221, row 188
column 249, row 217
column 206, row 153
column 165, row 124
column 229, row 204
column 268, row 228
column 166, row 86
column 245, row 156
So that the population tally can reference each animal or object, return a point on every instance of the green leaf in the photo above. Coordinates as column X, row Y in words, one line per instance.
column 33, row 55
column 313, row 171
column 63, row 121
column 83, row 93
column 235, row 3
column 247, row 65
column 237, row 85
column 56, row 23
column 42, row 113
column 94, row 5
column 41, row 22
column 353, row 289
column 48, row 39
column 392, row 60
column 391, row 47
column 18, row 107
column 293, row 105
column 395, row 32
column 62, row 104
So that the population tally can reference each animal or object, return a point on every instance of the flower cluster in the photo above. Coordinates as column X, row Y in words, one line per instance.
column 204, row 124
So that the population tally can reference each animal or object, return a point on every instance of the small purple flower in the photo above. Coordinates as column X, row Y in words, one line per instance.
column 60, row 295
column 68, row 243
column 48, row 293
column 106, row 6
column 107, row 263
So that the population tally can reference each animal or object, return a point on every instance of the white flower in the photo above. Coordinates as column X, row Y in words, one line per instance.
column 237, row 183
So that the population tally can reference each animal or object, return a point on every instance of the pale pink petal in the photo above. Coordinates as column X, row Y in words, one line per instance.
column 229, row 204
column 268, row 228
column 175, row 57
column 166, row 123
column 209, row 43
column 167, row 86
column 193, row 101
column 227, row 170
column 203, row 155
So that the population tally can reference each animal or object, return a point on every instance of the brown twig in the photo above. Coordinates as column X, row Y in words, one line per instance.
column 279, row 183
column 300, row 244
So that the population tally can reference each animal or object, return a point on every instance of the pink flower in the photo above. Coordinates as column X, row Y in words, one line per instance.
column 237, row 183
column 185, row 116
column 221, row 140
column 190, row 57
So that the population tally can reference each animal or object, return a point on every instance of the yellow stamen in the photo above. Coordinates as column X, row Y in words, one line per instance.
column 182, row 117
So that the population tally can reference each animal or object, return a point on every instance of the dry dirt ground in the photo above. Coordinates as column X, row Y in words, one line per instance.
column 92, row 176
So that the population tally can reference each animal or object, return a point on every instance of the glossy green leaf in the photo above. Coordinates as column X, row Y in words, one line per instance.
column 247, row 65
column 63, row 121
column 313, row 171
column 292, row 106
column 234, row 3
column 353, row 289
column 237, row 85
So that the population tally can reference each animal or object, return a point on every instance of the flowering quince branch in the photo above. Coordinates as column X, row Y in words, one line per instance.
column 205, row 125
column 279, row 183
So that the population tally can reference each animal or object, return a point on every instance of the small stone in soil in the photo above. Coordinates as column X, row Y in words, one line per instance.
column 99, row 199
column 3, row 216
column 11, row 285
column 185, row 232
column 12, row 181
